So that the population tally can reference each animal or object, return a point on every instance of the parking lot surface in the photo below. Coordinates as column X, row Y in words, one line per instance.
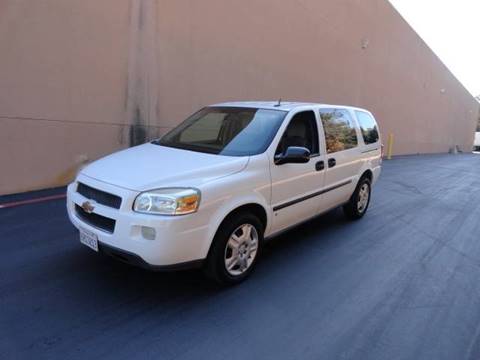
column 402, row 283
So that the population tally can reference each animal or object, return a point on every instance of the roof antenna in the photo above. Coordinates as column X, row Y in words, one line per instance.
column 279, row 103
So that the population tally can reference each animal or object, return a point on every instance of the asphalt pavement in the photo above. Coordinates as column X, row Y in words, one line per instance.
column 402, row 283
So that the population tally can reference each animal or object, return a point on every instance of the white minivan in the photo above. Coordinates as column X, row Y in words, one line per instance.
column 476, row 142
column 210, row 191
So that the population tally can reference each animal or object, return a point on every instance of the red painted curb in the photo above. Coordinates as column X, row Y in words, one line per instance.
column 32, row 201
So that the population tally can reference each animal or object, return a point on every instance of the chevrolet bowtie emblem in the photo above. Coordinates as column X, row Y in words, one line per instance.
column 88, row 207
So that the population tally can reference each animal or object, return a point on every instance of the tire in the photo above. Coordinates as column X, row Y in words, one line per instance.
column 357, row 206
column 233, row 232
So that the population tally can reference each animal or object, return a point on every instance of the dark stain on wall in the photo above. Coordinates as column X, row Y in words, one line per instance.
column 141, row 16
column 141, row 91
column 138, row 132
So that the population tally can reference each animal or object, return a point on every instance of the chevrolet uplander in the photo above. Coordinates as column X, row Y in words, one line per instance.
column 212, row 189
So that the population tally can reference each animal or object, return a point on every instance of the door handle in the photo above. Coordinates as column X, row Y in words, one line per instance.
column 320, row 165
column 332, row 162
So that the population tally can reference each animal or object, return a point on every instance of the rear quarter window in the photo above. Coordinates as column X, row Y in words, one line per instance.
column 368, row 127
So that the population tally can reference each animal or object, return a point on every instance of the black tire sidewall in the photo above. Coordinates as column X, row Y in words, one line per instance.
column 357, row 194
column 350, row 209
column 216, row 263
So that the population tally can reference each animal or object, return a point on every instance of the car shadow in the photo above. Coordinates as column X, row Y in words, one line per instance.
column 112, row 275
column 82, row 290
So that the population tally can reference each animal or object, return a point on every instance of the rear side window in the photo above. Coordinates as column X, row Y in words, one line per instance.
column 339, row 130
column 301, row 131
column 368, row 126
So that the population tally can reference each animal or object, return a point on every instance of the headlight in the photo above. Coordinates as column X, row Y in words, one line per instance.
column 168, row 201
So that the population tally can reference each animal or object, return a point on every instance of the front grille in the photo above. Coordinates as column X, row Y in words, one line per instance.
column 98, row 221
column 99, row 196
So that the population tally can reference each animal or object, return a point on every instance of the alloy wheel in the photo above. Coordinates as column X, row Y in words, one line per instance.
column 363, row 197
column 241, row 249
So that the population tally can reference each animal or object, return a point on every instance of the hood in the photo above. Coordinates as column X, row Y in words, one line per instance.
column 150, row 166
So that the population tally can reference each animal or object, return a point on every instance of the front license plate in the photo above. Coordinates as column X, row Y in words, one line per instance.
column 88, row 238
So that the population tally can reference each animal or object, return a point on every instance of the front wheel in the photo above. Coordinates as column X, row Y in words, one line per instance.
column 235, row 249
column 358, row 204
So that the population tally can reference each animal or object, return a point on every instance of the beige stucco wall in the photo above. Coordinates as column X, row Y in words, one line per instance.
column 82, row 78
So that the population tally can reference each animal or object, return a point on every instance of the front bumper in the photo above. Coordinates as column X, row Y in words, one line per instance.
column 180, row 241
column 135, row 260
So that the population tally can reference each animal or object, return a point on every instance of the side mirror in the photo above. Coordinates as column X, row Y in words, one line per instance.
column 293, row 155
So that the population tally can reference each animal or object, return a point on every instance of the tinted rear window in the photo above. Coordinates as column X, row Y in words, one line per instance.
column 368, row 126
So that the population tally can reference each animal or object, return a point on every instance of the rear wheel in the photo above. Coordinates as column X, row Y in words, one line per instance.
column 235, row 249
column 358, row 204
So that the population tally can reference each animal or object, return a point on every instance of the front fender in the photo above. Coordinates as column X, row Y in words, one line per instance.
column 251, row 186
column 228, row 207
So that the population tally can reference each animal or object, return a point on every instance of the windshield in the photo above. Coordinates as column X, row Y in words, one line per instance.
column 232, row 131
